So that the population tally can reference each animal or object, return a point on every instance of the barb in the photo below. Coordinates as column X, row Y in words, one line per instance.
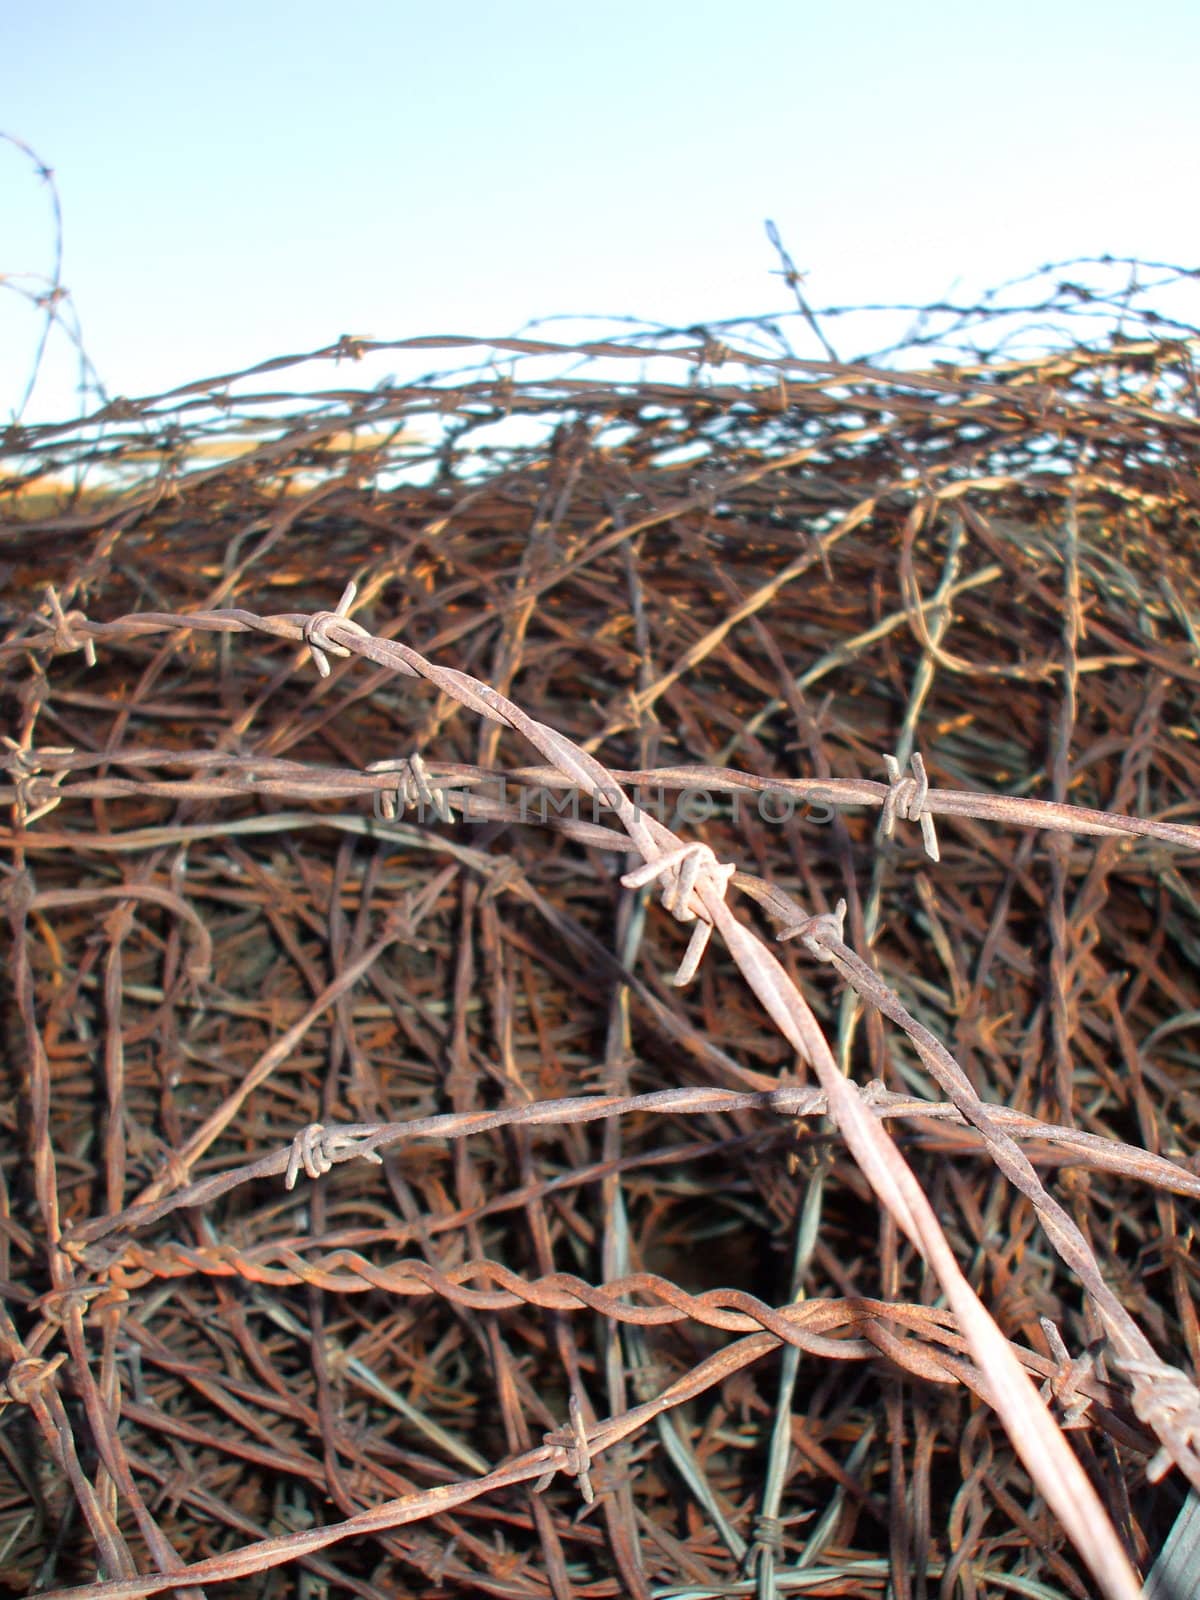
column 317, row 1148
column 909, row 797
column 413, row 788
column 689, row 870
column 574, row 1440
column 316, row 631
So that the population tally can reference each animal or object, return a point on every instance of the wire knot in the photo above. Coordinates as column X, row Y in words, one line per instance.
column 907, row 797
column 813, row 930
column 316, row 631
column 413, row 788
column 768, row 1534
column 316, row 1148
column 58, row 1304
column 66, row 624
column 574, row 1440
column 1165, row 1399
column 1063, row 1384
column 35, row 794
column 27, row 1376
column 687, row 869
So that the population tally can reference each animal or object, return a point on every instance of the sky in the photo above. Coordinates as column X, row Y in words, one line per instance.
column 242, row 180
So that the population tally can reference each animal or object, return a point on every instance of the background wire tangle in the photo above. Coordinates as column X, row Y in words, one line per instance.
column 738, row 587
column 1031, row 1427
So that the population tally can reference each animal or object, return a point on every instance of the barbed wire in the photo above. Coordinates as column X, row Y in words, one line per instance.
column 223, row 910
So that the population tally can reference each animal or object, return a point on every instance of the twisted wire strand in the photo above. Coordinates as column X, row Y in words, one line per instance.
column 806, row 1324
column 347, row 1272
column 934, row 1349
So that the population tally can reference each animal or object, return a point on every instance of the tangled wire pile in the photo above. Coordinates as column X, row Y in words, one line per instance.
column 666, row 1065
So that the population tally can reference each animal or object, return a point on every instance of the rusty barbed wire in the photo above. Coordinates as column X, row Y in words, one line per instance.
column 289, row 921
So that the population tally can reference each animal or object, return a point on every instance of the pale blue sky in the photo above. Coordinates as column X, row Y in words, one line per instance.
column 244, row 179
